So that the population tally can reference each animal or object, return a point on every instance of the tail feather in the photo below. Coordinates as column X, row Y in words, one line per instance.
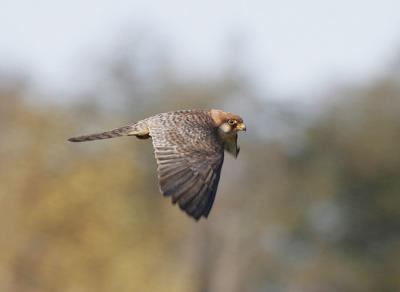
column 123, row 131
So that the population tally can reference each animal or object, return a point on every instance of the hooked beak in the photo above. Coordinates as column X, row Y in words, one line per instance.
column 241, row 127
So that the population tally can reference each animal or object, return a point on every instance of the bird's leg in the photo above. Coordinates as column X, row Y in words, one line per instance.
column 145, row 136
column 142, row 133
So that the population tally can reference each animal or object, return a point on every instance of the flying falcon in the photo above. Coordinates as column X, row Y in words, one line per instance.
column 189, row 148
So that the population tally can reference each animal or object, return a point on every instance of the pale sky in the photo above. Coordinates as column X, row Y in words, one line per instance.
column 291, row 47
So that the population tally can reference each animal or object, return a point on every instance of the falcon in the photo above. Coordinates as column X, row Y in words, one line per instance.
column 189, row 148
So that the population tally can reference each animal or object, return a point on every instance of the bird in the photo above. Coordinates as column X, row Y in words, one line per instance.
column 189, row 150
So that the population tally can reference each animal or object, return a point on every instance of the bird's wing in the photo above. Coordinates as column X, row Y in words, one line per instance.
column 189, row 157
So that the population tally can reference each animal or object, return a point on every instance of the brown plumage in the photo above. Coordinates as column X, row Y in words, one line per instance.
column 189, row 148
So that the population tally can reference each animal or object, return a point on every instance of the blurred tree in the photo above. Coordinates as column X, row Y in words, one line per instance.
column 311, row 204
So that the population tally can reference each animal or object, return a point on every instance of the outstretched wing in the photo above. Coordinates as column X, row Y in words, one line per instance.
column 189, row 157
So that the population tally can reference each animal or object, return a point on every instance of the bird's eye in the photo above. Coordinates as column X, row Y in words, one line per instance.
column 231, row 122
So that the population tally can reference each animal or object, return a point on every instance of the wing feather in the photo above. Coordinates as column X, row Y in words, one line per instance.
column 189, row 157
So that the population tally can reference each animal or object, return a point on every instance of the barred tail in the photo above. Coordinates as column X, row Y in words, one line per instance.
column 123, row 131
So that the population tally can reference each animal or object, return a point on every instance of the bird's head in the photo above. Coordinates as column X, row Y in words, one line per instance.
column 227, row 122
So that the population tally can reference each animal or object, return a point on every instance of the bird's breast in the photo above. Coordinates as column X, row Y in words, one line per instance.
column 229, row 142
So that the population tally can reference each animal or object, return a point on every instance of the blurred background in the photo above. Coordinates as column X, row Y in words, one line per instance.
column 311, row 204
